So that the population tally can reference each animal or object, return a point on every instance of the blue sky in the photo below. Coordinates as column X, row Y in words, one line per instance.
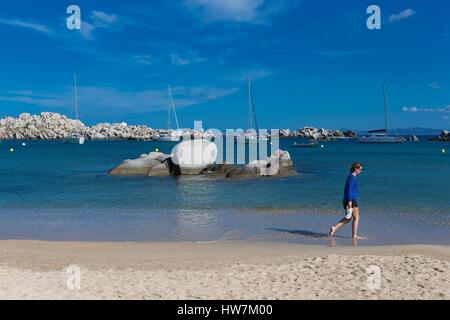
column 311, row 62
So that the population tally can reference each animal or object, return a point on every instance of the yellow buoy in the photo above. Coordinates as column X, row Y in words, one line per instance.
column 11, row 150
column 157, row 150
column 442, row 151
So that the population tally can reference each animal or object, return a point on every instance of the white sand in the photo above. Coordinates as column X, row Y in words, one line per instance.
column 238, row 270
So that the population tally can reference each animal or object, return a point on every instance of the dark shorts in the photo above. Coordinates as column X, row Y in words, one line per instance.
column 354, row 204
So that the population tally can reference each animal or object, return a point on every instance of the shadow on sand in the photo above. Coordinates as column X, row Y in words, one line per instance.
column 306, row 233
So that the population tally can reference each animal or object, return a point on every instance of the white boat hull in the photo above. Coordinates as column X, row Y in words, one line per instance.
column 381, row 139
column 168, row 139
column 75, row 140
column 251, row 140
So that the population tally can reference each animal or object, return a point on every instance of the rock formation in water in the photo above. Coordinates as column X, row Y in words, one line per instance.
column 153, row 164
column 316, row 134
column 53, row 126
column 156, row 164
column 445, row 136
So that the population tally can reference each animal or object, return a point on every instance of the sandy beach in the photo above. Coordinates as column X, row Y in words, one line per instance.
column 228, row 270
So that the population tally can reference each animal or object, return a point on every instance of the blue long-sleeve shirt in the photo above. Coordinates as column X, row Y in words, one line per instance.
column 351, row 188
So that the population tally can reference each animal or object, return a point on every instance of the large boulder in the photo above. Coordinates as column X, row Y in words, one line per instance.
column 279, row 164
column 194, row 156
column 161, row 157
column 161, row 170
column 235, row 172
column 445, row 136
column 250, row 170
column 137, row 167
column 286, row 172
column 283, row 158
column 156, row 164
column 220, row 168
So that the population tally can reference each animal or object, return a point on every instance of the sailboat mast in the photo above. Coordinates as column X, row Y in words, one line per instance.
column 172, row 108
column 252, row 109
column 75, row 96
column 169, row 93
column 385, row 108
column 175, row 113
column 250, row 103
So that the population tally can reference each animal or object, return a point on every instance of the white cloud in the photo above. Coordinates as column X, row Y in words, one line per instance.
column 87, row 30
column 38, row 98
column 98, row 20
column 42, row 100
column 402, row 15
column 416, row 109
column 101, row 17
column 342, row 54
column 28, row 25
column 236, row 10
column 228, row 53
column 435, row 85
column 143, row 59
column 410, row 109
column 118, row 59
column 211, row 93
column 252, row 75
column 254, row 11
column 189, row 57
column 107, row 100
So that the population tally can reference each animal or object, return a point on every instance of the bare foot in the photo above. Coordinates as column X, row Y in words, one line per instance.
column 332, row 231
column 359, row 238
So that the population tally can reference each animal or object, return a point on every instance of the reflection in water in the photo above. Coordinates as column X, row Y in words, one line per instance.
column 196, row 223
column 332, row 241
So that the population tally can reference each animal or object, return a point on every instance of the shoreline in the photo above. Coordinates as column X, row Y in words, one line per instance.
column 221, row 270
column 429, row 138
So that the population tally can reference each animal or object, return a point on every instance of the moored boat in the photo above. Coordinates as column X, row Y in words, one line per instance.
column 252, row 135
column 171, row 135
column 305, row 145
column 381, row 135
column 75, row 137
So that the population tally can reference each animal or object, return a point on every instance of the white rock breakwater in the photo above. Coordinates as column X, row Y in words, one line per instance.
column 316, row 134
column 54, row 126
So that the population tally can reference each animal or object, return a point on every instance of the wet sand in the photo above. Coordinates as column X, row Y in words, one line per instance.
column 221, row 270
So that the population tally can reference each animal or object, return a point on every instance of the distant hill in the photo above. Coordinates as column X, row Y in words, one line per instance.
column 411, row 131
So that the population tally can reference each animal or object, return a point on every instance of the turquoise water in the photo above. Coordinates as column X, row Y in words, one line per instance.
column 56, row 191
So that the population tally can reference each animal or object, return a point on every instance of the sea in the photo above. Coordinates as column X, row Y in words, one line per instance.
column 54, row 191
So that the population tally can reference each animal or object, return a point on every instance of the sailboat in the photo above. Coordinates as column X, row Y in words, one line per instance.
column 252, row 135
column 381, row 135
column 171, row 136
column 75, row 137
